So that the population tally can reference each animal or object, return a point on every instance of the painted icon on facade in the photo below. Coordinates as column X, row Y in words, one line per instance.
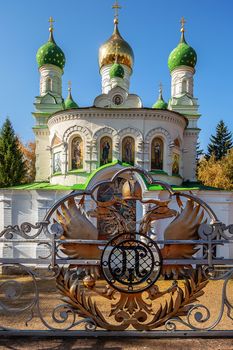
column 175, row 164
column 57, row 162
column 128, row 150
column 157, row 154
column 105, row 150
column 77, row 153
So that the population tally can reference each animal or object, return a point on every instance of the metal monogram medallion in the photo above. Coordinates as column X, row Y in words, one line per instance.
column 131, row 262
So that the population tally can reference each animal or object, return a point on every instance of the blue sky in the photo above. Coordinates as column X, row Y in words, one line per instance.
column 152, row 29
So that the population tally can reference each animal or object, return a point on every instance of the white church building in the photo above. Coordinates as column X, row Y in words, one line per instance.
column 76, row 147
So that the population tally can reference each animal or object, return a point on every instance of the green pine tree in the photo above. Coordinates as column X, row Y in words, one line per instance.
column 12, row 165
column 199, row 151
column 220, row 143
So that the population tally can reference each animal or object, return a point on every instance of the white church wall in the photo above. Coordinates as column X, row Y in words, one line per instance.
column 93, row 124
column 43, row 156
column 18, row 206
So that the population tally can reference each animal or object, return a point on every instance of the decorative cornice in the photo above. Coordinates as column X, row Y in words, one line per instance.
column 41, row 132
column 191, row 132
column 145, row 114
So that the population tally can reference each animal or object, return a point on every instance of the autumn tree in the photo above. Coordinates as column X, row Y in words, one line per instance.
column 220, row 143
column 217, row 173
column 29, row 155
column 12, row 164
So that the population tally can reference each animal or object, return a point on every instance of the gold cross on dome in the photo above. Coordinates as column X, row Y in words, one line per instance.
column 182, row 21
column 51, row 21
column 116, row 7
column 69, row 85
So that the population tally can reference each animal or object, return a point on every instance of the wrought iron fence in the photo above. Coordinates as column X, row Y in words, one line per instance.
column 91, row 282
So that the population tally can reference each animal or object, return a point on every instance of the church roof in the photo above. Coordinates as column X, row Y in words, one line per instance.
column 160, row 103
column 69, row 102
column 183, row 54
column 117, row 71
column 50, row 52
column 116, row 46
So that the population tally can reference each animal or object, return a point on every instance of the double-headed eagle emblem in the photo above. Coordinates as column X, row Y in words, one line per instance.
column 106, row 242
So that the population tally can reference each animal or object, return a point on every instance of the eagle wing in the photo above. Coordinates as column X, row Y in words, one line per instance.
column 183, row 227
column 76, row 225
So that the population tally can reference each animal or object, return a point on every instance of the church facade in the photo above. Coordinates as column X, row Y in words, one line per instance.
column 76, row 147
column 72, row 142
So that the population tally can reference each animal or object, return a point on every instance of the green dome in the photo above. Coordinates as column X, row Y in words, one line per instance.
column 117, row 71
column 50, row 53
column 182, row 55
column 69, row 102
column 160, row 103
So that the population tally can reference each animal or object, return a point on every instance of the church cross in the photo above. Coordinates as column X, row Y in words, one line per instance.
column 160, row 87
column 182, row 21
column 69, row 85
column 116, row 7
column 51, row 21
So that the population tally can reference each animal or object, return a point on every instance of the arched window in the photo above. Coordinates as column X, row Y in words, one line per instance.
column 157, row 154
column 128, row 150
column 55, row 85
column 175, row 164
column 105, row 150
column 56, row 162
column 49, row 84
column 184, row 85
column 77, row 153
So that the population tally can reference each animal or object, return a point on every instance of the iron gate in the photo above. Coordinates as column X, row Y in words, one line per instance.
column 133, row 281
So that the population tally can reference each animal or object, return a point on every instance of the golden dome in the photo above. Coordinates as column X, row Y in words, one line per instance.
column 116, row 49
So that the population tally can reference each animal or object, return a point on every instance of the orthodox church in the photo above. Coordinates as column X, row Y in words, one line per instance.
column 77, row 147
column 73, row 142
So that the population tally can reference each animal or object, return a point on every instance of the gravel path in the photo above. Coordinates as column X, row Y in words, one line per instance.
column 108, row 344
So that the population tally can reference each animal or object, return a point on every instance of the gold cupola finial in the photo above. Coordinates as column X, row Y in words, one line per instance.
column 51, row 28
column 116, row 7
column 107, row 51
column 182, row 22
column 160, row 90
column 69, row 85
column 51, row 21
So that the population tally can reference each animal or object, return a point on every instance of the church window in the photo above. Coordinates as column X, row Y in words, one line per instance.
column 105, row 150
column 184, row 85
column 128, row 150
column 57, row 162
column 77, row 153
column 175, row 164
column 49, row 84
column 56, row 85
column 157, row 154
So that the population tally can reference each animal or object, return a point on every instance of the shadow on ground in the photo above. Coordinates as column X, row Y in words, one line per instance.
column 72, row 343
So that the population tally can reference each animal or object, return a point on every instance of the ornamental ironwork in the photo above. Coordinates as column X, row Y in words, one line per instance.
column 131, row 262
column 102, row 268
